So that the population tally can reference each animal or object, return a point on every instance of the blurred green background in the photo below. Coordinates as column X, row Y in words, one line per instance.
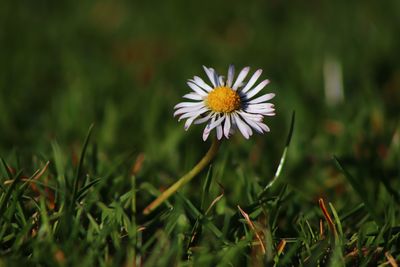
column 123, row 65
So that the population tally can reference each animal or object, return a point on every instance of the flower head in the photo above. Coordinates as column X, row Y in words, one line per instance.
column 227, row 105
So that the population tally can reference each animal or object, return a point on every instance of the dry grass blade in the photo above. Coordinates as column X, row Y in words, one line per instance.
column 328, row 217
column 321, row 229
column 218, row 198
column 390, row 259
column 36, row 175
column 253, row 227
column 281, row 246
column 39, row 173
column 137, row 166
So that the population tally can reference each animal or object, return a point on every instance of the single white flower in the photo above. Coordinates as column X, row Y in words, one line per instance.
column 227, row 105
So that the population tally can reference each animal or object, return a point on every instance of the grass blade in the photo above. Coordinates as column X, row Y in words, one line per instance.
column 80, row 165
column 7, row 195
column 283, row 158
column 84, row 190
column 359, row 189
column 206, row 187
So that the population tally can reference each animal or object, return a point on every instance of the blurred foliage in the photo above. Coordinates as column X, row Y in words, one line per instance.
column 122, row 65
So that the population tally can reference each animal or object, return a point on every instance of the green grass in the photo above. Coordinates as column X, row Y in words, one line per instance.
column 72, row 194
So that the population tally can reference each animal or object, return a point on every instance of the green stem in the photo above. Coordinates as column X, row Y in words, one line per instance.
column 208, row 157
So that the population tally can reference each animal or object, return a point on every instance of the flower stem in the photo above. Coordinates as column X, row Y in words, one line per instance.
column 208, row 157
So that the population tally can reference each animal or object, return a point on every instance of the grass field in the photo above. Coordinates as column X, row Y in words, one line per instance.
column 323, row 193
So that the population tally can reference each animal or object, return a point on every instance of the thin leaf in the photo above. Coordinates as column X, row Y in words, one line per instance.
column 84, row 190
column 359, row 189
column 253, row 227
column 7, row 195
column 80, row 165
column 206, row 187
column 195, row 213
column 283, row 158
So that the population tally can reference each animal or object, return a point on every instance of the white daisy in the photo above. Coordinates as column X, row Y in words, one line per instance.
column 227, row 105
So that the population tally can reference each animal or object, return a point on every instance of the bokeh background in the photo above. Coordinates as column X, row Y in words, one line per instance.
column 123, row 66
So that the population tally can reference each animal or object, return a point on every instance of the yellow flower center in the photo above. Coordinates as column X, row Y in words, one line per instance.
column 223, row 99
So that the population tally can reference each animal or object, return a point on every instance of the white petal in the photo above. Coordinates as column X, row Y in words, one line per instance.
column 216, row 77
column 264, row 127
column 196, row 88
column 212, row 124
column 240, row 78
column 211, row 75
column 261, row 106
column 219, row 132
column 216, row 123
column 252, row 80
column 248, row 118
column 188, row 104
column 204, row 119
column 243, row 127
column 199, row 81
column 269, row 113
column 262, row 98
column 269, row 108
column 257, row 89
column 254, row 117
column 265, row 112
column 231, row 73
column 205, row 135
column 189, row 122
column 261, row 111
column 252, row 123
column 227, row 125
column 193, row 96
column 221, row 81
column 206, row 132
column 187, row 110
column 193, row 113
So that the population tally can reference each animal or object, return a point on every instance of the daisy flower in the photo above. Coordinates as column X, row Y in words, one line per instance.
column 227, row 105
